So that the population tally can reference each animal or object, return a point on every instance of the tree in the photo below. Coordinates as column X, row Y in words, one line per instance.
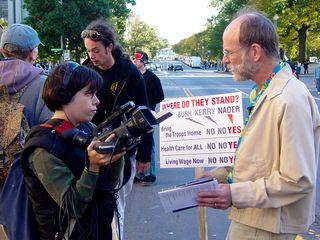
column 119, row 13
column 67, row 18
column 298, row 26
column 144, row 37
column 212, row 36
column 195, row 45
column 219, row 22
column 3, row 23
column 298, row 21
column 64, row 18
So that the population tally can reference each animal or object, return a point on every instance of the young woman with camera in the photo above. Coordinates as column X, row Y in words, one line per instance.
column 64, row 178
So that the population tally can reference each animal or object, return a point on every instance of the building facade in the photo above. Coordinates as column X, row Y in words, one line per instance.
column 4, row 9
column 12, row 11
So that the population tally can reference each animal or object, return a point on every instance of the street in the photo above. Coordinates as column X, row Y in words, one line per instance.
column 145, row 218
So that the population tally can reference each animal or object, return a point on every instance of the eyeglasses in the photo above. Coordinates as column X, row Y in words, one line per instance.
column 70, row 67
column 227, row 53
column 92, row 34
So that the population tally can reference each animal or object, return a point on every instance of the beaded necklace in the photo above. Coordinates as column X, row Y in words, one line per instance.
column 253, row 99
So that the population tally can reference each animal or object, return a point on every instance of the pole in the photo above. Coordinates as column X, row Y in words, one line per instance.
column 61, row 46
column 202, row 214
column 275, row 21
column 61, row 41
column 202, row 53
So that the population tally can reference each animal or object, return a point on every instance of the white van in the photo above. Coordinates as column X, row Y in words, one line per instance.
column 313, row 59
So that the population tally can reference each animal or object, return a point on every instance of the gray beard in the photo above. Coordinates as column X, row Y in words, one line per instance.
column 246, row 70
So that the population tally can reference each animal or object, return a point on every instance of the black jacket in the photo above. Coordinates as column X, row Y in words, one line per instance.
column 46, row 210
column 154, row 89
column 122, row 83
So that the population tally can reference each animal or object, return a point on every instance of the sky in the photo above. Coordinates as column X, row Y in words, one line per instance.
column 174, row 19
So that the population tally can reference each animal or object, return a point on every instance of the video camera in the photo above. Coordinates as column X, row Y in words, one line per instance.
column 129, row 133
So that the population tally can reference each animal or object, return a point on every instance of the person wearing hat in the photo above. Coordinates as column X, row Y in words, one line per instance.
column 19, row 45
column 155, row 96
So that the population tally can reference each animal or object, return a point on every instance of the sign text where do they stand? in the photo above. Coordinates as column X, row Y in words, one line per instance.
column 203, row 131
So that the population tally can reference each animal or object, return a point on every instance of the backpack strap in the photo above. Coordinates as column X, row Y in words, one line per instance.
column 58, row 125
column 4, row 94
column 16, row 97
column 13, row 128
column 12, row 110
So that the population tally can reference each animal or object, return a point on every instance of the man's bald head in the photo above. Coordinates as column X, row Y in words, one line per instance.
column 253, row 27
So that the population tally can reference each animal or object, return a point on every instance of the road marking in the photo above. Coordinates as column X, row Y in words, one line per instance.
column 187, row 92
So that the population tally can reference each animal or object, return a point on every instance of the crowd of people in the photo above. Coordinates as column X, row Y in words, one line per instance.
column 84, row 185
column 75, row 191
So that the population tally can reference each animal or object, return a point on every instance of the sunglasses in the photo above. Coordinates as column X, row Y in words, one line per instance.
column 70, row 67
column 138, row 56
column 92, row 34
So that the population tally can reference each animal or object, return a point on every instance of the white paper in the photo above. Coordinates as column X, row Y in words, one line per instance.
column 203, row 131
column 184, row 196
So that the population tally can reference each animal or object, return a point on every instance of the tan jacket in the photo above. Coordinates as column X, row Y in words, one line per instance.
column 274, row 185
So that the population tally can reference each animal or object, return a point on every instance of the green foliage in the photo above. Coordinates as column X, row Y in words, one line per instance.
column 55, row 18
column 219, row 23
column 3, row 23
column 143, row 37
column 297, row 26
column 211, row 38
column 67, row 18
column 196, row 45
column 119, row 13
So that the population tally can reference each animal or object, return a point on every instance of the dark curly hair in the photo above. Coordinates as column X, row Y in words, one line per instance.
column 107, row 35
column 55, row 95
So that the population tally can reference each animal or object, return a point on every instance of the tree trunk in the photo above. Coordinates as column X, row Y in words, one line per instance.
column 302, row 36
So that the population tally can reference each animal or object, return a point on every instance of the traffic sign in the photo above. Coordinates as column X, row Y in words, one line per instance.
column 55, row 49
column 66, row 54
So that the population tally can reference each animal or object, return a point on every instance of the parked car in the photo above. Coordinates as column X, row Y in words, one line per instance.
column 151, row 66
column 177, row 67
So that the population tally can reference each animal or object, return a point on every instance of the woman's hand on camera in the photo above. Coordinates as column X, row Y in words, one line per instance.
column 98, row 160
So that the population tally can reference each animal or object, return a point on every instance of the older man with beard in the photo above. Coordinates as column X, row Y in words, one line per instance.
column 271, row 185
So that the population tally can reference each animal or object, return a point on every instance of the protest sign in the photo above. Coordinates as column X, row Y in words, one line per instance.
column 203, row 131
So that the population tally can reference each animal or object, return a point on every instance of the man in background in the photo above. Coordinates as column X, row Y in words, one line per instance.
column 155, row 96
column 19, row 45
column 122, row 82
